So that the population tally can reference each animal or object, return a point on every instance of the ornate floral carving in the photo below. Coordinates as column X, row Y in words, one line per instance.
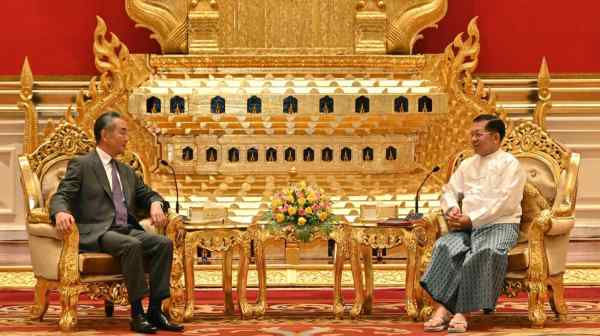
column 120, row 72
column 114, row 291
column 512, row 287
column 67, row 139
column 167, row 19
column 444, row 138
column 528, row 137
column 404, row 29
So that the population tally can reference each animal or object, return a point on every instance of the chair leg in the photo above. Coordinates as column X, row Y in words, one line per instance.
column 227, row 286
column 109, row 308
column 557, row 296
column 537, row 292
column 40, row 303
column 69, row 296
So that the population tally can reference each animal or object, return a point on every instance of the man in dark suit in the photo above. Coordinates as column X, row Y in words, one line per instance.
column 100, row 195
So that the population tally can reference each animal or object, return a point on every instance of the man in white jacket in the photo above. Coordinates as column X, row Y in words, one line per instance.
column 468, row 264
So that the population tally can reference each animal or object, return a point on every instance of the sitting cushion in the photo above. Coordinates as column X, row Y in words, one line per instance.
column 98, row 264
column 101, row 264
column 532, row 205
column 518, row 258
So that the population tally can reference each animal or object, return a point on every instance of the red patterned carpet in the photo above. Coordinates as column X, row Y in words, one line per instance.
column 305, row 312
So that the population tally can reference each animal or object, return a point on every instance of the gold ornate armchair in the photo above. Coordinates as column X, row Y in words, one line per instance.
column 537, row 263
column 57, row 263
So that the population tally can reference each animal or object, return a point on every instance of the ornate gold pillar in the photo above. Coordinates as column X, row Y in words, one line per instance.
column 203, row 27
column 371, row 21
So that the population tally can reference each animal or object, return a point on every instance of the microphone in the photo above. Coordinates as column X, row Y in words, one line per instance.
column 165, row 163
column 416, row 214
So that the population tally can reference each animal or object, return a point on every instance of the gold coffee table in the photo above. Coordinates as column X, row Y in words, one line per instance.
column 413, row 235
column 341, row 234
column 218, row 238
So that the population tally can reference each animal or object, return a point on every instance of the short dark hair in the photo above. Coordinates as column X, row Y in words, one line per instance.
column 104, row 121
column 493, row 125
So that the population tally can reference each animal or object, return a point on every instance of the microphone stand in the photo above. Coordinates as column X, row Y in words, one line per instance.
column 416, row 214
column 165, row 163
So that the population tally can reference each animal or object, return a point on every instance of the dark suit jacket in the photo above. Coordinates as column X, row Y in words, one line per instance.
column 85, row 193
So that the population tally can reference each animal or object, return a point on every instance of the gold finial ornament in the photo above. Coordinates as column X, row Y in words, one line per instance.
column 405, row 28
column 25, row 103
column 544, row 105
column 167, row 20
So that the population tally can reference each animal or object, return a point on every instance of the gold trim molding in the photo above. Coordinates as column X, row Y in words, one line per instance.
column 306, row 276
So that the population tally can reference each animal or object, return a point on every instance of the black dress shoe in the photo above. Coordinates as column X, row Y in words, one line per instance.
column 160, row 321
column 140, row 324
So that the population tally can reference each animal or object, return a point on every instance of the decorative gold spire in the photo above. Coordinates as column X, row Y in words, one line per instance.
column 25, row 103
column 544, row 105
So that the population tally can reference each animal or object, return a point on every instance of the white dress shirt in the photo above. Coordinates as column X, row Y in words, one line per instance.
column 491, row 187
column 105, row 158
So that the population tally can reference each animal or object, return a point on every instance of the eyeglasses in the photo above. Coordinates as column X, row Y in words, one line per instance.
column 478, row 134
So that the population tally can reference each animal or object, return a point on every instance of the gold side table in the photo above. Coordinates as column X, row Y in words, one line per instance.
column 414, row 236
column 218, row 238
column 344, row 246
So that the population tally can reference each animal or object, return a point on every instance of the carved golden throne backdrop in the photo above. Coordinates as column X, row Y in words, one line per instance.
column 57, row 263
column 537, row 263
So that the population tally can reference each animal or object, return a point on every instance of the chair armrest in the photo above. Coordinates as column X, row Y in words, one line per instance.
column 39, row 224
column 39, row 216
column 564, row 203
column 560, row 225
column 435, row 223
column 175, row 228
column 44, row 230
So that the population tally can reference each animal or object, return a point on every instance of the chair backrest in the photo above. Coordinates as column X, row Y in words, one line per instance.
column 550, row 167
column 42, row 170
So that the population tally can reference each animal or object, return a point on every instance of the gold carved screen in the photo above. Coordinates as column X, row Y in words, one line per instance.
column 307, row 27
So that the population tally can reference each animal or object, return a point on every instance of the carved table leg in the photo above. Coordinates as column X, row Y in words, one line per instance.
column 368, row 262
column 338, row 300
column 261, row 270
column 242, row 283
column 227, row 265
column 40, row 303
column 357, row 308
column 412, row 308
column 189, row 277
column 423, row 301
